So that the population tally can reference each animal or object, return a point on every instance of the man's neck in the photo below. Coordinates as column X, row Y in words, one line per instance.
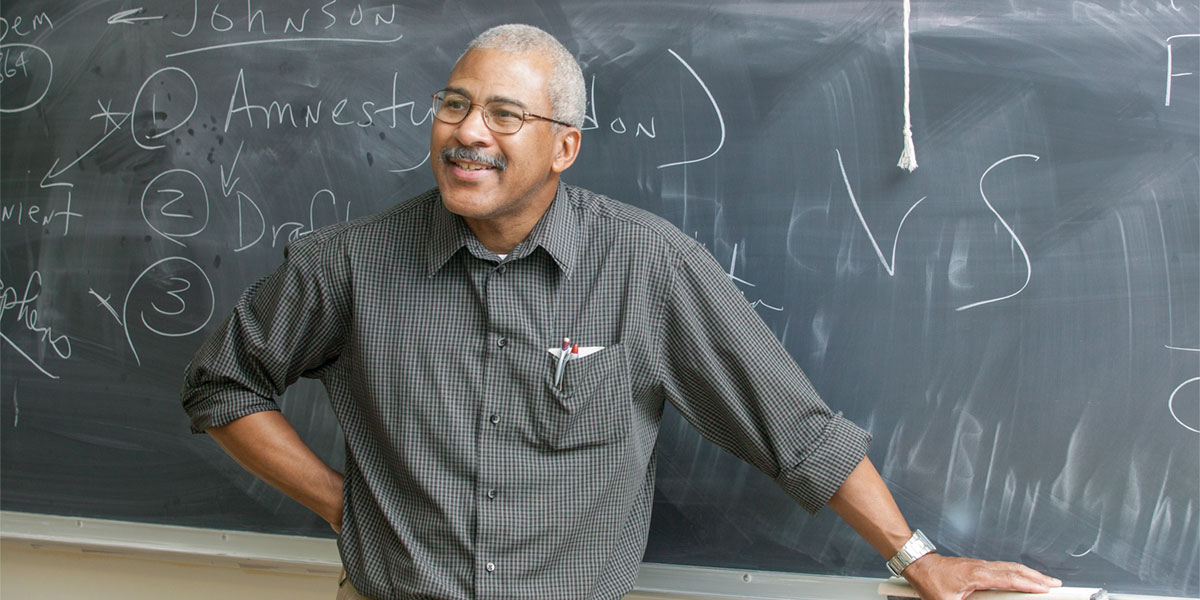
column 501, row 235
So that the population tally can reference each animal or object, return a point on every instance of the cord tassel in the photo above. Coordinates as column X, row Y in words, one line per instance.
column 908, row 158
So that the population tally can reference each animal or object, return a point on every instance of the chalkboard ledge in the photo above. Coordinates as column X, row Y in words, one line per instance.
column 319, row 556
column 285, row 553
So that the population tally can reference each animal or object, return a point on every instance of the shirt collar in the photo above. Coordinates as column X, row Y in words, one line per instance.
column 557, row 232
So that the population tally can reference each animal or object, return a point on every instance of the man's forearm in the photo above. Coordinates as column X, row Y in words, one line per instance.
column 865, row 503
column 265, row 444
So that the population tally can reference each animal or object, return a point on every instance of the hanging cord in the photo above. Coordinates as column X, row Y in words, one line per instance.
column 908, row 158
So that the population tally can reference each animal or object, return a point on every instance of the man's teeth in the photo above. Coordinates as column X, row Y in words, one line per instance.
column 469, row 167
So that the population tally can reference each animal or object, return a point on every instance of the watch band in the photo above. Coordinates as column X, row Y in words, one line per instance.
column 917, row 546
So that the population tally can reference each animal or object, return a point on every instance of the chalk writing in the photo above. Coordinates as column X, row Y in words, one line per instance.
column 249, row 215
column 227, row 188
column 27, row 316
column 1095, row 544
column 115, row 120
column 52, row 174
column 756, row 303
column 45, row 183
column 185, row 91
column 616, row 125
column 284, row 41
column 891, row 267
column 716, row 109
column 412, row 168
column 226, row 184
column 17, row 60
column 297, row 230
column 182, row 274
column 18, row 26
column 178, row 79
column 30, row 213
column 109, row 115
column 171, row 187
column 1175, row 392
column 1013, row 234
column 126, row 17
column 242, row 201
column 1171, row 404
column 1171, row 74
column 283, row 113
column 221, row 22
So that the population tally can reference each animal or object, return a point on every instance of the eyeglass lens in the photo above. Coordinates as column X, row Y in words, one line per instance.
column 500, row 117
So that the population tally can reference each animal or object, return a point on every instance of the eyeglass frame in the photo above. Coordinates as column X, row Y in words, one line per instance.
column 525, row 115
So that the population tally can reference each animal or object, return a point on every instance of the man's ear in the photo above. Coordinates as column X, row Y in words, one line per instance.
column 566, row 148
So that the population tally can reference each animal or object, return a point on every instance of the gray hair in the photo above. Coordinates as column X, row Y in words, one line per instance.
column 567, row 91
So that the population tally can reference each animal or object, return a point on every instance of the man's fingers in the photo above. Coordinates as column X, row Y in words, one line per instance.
column 1046, row 580
column 1012, row 576
column 1034, row 576
column 938, row 577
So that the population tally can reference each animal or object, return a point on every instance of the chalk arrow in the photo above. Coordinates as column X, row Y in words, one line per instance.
column 226, row 185
column 126, row 17
column 51, row 173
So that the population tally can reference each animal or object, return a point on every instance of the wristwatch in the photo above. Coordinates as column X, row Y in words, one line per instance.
column 917, row 546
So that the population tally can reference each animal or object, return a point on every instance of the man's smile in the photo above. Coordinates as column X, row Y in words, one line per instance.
column 467, row 166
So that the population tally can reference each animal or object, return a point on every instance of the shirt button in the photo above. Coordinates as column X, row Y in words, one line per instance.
column 490, row 567
column 502, row 342
column 495, row 419
column 491, row 494
column 501, row 269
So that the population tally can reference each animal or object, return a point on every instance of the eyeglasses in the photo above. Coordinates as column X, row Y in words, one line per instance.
column 499, row 116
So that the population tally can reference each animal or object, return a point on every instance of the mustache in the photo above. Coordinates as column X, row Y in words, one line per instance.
column 461, row 153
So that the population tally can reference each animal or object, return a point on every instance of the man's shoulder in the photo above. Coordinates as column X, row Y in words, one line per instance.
column 630, row 223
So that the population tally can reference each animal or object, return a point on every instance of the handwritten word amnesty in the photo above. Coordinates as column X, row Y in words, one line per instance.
column 274, row 112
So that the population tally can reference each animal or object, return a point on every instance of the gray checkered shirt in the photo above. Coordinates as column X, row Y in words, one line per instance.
column 469, row 473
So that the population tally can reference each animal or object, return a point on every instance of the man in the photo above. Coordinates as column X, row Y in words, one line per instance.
column 481, row 463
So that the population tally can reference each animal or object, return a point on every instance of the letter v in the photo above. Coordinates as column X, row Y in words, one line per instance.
column 891, row 268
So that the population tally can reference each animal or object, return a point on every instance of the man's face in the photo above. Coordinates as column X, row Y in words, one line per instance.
column 523, row 187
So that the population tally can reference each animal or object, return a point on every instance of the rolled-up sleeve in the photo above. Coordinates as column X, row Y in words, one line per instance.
column 287, row 325
column 736, row 384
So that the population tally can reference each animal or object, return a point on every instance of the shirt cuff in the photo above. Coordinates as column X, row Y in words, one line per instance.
column 222, row 407
column 839, row 449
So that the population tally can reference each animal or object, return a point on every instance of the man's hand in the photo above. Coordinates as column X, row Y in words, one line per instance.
column 937, row 577
column 265, row 444
column 865, row 503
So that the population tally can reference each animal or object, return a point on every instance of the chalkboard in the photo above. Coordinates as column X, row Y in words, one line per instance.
column 1017, row 321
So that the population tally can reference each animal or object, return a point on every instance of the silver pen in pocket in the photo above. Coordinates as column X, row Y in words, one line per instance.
column 562, row 361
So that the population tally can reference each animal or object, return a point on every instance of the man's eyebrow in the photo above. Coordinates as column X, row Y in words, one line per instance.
column 507, row 100
column 493, row 98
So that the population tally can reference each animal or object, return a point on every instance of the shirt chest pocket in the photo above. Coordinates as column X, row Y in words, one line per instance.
column 591, row 406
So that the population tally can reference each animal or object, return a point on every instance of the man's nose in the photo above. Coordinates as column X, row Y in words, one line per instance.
column 473, row 130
